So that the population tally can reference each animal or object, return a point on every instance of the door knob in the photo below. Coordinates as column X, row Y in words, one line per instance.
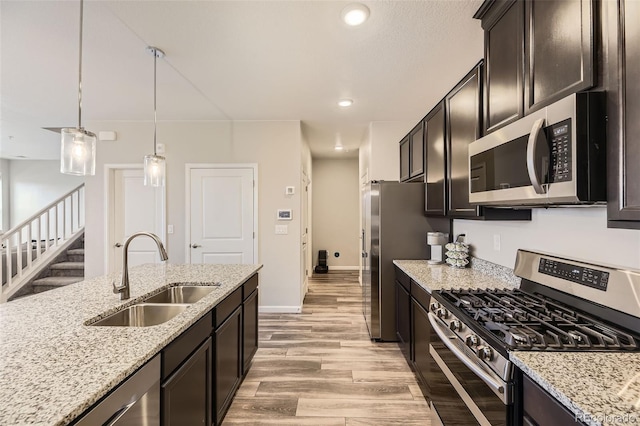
column 195, row 245
column 118, row 245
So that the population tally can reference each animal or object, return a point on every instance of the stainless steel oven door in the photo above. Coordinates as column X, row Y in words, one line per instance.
column 463, row 390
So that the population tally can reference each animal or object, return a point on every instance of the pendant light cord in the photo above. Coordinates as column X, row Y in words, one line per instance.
column 80, row 69
column 155, row 114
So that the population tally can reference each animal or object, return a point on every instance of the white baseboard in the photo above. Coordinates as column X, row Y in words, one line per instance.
column 280, row 309
column 344, row 268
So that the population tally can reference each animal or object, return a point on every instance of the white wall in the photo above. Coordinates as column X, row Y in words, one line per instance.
column 379, row 153
column 336, row 211
column 274, row 145
column 579, row 233
column 35, row 183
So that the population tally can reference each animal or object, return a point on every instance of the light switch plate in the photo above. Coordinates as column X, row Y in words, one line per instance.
column 290, row 190
column 282, row 229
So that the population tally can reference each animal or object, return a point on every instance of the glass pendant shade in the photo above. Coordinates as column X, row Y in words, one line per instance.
column 78, row 152
column 154, row 170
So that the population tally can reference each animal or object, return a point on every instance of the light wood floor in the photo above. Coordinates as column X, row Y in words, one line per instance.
column 320, row 367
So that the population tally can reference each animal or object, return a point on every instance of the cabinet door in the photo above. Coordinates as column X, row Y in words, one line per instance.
column 227, row 362
column 416, row 141
column 404, row 160
column 186, row 394
column 504, row 58
column 623, row 97
column 463, row 127
column 435, row 175
column 403, row 319
column 250, row 327
column 559, row 40
column 420, row 337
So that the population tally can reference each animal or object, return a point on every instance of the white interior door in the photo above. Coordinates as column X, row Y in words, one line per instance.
column 135, row 208
column 222, row 215
column 306, row 266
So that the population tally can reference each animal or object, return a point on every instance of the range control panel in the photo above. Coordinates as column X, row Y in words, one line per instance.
column 559, row 136
column 578, row 274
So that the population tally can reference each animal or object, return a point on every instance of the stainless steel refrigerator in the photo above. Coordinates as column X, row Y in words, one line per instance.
column 395, row 227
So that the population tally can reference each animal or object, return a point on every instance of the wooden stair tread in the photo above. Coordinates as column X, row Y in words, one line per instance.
column 75, row 251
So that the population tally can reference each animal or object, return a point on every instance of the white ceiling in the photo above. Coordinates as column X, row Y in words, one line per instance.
column 228, row 60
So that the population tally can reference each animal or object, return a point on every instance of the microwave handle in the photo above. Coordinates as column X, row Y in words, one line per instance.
column 537, row 143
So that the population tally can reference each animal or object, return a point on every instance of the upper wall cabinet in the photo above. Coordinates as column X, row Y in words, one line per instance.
column 623, row 99
column 435, row 175
column 504, row 65
column 463, row 127
column 536, row 52
column 405, row 159
column 412, row 155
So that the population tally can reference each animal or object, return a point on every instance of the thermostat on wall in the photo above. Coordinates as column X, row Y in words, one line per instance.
column 284, row 214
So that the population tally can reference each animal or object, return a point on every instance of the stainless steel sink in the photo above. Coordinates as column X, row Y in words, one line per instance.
column 181, row 294
column 142, row 315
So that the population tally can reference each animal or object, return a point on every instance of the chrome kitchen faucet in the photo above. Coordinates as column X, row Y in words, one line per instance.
column 124, row 288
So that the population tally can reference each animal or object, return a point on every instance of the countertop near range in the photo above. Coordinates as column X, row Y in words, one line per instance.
column 600, row 388
column 481, row 274
column 53, row 367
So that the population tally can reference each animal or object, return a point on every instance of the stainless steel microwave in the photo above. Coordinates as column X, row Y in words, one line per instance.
column 553, row 156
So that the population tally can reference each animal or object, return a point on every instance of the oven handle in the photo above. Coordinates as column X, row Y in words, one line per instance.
column 497, row 386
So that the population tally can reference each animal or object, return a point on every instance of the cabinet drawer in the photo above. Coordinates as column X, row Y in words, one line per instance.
column 403, row 279
column 178, row 350
column 227, row 306
column 249, row 286
column 420, row 295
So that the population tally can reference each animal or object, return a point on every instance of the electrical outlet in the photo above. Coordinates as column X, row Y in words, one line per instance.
column 496, row 242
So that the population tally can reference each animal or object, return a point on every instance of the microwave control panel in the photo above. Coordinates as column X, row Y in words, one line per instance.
column 559, row 136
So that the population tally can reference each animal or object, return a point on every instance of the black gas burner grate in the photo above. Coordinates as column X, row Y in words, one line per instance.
column 523, row 321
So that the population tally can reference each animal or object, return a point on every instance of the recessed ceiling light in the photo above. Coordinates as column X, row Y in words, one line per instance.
column 355, row 14
column 338, row 147
column 345, row 103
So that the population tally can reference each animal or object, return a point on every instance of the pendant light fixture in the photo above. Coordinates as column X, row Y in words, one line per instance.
column 78, row 147
column 154, row 165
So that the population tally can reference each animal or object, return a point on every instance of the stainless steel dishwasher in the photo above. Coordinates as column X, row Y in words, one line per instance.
column 135, row 402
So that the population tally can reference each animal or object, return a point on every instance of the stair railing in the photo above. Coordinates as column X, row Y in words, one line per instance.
column 27, row 247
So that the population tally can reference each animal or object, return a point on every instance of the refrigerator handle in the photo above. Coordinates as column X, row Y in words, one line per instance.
column 364, row 253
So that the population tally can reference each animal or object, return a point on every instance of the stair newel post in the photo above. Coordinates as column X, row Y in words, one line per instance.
column 29, row 245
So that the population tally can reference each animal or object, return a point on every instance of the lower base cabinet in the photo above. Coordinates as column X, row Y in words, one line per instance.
column 186, row 394
column 421, row 331
column 228, row 362
column 250, row 327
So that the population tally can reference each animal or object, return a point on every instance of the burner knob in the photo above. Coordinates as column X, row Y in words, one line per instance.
column 442, row 313
column 435, row 306
column 485, row 353
column 472, row 340
column 455, row 325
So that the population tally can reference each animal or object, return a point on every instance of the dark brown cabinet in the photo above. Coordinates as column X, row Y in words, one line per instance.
column 412, row 155
column 227, row 361
column 435, row 174
column 416, row 142
column 403, row 319
column 559, row 50
column 536, row 52
column 542, row 409
column 623, row 106
column 463, row 127
column 250, row 329
column 504, row 63
column 420, row 334
column 405, row 159
column 186, row 394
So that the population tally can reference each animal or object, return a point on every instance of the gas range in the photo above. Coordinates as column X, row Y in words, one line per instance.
column 561, row 305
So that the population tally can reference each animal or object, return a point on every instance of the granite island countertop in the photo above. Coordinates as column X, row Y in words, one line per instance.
column 481, row 274
column 599, row 388
column 53, row 366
